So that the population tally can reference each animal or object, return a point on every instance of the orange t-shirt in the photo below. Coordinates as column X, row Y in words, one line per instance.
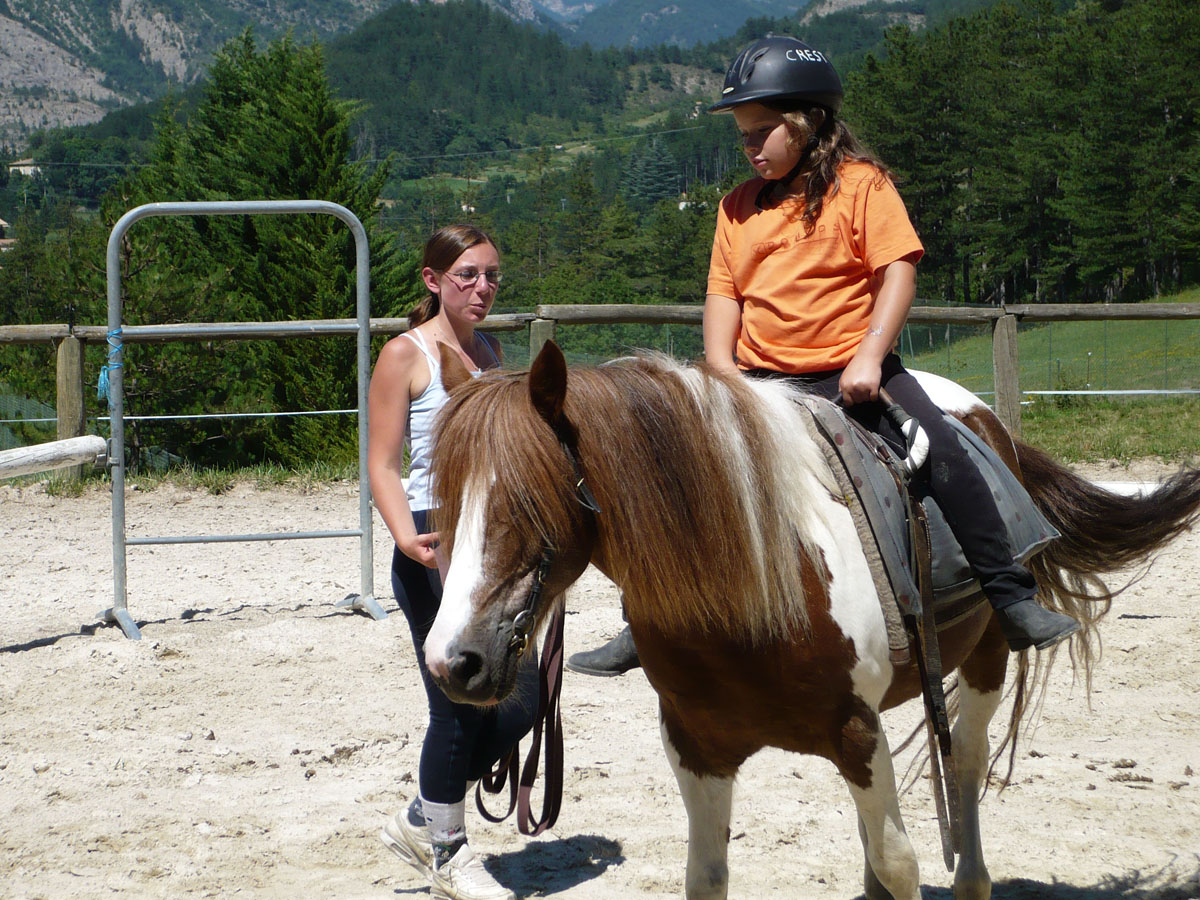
column 807, row 298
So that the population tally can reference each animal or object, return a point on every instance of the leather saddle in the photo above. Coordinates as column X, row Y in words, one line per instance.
column 870, row 475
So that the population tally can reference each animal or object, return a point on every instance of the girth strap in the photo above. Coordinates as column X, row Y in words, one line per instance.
column 906, row 599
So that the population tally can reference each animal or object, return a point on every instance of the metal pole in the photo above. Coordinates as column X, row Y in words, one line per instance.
column 365, row 600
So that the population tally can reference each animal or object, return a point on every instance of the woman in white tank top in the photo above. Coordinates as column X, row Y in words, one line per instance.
column 462, row 273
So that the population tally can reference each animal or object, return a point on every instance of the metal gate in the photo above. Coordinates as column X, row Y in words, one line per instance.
column 113, row 370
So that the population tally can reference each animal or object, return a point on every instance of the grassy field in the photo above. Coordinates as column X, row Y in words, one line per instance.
column 1087, row 356
column 1068, row 355
column 1089, row 429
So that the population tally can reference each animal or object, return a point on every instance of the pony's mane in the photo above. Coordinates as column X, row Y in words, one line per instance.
column 709, row 486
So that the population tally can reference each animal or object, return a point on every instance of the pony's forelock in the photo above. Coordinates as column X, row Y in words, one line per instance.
column 490, row 441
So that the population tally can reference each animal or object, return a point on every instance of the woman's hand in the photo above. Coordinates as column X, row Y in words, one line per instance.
column 422, row 548
column 860, row 381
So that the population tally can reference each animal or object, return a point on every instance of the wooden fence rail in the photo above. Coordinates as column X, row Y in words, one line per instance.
column 88, row 449
column 543, row 323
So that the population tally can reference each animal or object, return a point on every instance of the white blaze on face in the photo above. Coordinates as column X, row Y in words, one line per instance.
column 459, row 584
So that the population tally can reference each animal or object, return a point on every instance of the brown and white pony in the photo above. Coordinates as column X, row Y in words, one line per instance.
column 744, row 581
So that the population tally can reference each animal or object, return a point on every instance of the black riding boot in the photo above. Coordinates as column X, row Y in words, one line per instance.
column 1027, row 623
column 614, row 658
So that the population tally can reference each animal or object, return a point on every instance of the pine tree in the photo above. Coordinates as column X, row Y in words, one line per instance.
column 268, row 128
column 653, row 175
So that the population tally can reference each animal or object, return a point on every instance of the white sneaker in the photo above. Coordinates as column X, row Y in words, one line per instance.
column 409, row 842
column 463, row 877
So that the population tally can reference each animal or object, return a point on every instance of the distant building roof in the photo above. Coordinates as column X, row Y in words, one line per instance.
column 25, row 167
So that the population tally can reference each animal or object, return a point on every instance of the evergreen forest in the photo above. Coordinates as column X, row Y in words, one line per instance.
column 1047, row 153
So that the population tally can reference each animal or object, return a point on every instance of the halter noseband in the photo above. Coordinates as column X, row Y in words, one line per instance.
column 523, row 621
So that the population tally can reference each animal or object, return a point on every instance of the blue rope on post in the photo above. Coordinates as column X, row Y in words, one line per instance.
column 114, row 348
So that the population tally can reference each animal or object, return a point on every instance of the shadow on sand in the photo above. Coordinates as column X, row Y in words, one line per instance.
column 1168, row 883
column 546, row 868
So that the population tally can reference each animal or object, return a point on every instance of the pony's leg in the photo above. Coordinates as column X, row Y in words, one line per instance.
column 873, row 888
column 970, row 743
column 708, row 800
column 891, row 864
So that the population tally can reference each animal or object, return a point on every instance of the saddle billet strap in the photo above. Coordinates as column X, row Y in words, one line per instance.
column 929, row 664
column 909, row 609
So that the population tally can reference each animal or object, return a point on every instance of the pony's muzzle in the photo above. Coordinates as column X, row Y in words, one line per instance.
column 464, row 677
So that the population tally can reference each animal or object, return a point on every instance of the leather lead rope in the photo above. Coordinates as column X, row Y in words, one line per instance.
column 547, row 724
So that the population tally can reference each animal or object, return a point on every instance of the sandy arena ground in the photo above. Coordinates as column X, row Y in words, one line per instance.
column 253, row 743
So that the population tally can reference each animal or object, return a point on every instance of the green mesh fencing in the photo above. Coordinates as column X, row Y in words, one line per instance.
column 14, row 432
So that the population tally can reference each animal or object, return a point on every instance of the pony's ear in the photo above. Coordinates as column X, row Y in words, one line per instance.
column 548, row 383
column 454, row 372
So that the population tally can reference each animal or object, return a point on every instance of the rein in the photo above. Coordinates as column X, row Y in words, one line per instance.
column 549, row 715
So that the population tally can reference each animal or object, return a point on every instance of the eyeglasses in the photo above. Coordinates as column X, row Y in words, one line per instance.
column 472, row 276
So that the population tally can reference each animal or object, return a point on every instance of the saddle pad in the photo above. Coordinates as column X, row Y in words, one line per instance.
column 862, row 455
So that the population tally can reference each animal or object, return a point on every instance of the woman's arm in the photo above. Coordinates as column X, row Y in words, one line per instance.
column 387, row 408
column 860, row 379
column 722, row 324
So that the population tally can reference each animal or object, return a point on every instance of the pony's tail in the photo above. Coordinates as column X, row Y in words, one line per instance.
column 1101, row 532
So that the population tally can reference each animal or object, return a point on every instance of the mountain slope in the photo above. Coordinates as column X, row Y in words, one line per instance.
column 68, row 62
column 684, row 23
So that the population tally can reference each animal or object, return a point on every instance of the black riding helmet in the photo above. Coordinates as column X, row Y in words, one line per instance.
column 780, row 68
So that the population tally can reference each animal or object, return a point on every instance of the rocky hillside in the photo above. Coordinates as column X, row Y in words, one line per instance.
column 68, row 62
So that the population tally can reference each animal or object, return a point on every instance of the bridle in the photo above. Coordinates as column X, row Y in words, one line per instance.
column 548, row 722
column 524, row 621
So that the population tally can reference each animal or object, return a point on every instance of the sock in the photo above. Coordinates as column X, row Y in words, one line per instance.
column 447, row 828
column 415, row 813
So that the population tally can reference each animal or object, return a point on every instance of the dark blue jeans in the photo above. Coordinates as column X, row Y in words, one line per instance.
column 462, row 741
column 955, row 481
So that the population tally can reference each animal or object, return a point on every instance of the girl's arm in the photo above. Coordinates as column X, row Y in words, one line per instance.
column 860, row 379
column 722, row 323
column 387, row 407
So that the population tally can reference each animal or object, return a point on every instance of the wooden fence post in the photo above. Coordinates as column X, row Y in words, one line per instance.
column 540, row 331
column 70, row 407
column 1005, row 373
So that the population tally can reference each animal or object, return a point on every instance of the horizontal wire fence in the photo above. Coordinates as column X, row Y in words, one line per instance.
column 24, row 421
column 1118, row 358
column 1113, row 358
